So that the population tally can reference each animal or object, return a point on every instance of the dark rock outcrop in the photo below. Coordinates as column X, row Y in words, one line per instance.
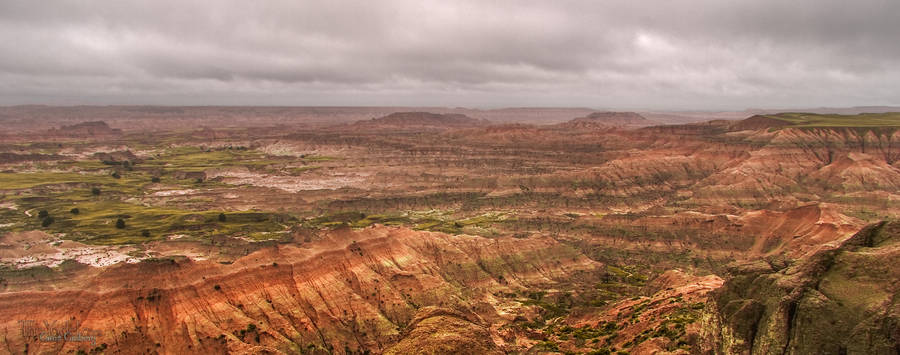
column 7, row 157
column 117, row 158
column 87, row 129
column 837, row 301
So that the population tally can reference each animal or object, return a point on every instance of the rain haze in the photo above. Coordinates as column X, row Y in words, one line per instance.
column 623, row 54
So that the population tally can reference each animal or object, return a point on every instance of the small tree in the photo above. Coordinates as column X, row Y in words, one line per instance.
column 75, row 211
column 47, row 221
column 95, row 191
column 154, row 179
column 145, row 233
column 120, row 223
column 43, row 214
column 222, row 217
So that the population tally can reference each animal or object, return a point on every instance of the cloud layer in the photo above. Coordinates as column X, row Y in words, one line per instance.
column 667, row 54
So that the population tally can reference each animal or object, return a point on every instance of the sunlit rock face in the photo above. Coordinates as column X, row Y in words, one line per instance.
column 360, row 290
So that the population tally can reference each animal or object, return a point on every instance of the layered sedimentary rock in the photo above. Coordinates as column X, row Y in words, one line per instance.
column 352, row 291
column 441, row 331
column 837, row 301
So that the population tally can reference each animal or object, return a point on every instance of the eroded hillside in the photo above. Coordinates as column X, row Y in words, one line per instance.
column 435, row 232
column 838, row 301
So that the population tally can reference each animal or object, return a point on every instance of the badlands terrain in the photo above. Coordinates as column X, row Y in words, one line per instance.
column 178, row 230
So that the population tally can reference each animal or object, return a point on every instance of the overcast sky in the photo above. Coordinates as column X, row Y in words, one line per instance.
column 667, row 54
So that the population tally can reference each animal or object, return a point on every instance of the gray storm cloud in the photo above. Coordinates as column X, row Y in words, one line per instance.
column 677, row 54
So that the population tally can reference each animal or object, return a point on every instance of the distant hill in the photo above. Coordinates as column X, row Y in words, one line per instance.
column 828, row 110
column 85, row 129
column 417, row 120
column 812, row 120
column 607, row 120
column 758, row 122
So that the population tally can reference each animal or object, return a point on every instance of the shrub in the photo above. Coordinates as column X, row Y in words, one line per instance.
column 116, row 175
column 120, row 223
column 95, row 191
column 145, row 233
column 222, row 217
column 75, row 211
column 43, row 214
column 154, row 179
column 47, row 221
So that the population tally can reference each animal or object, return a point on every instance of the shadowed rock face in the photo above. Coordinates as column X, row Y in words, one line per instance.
column 119, row 157
column 758, row 123
column 838, row 301
column 87, row 129
column 7, row 157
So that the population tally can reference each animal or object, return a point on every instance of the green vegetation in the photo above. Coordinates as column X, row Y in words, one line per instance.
column 318, row 158
column 100, row 203
column 301, row 169
column 584, row 332
column 197, row 159
column 672, row 327
column 109, row 220
column 435, row 221
column 13, row 181
column 93, row 207
column 547, row 346
column 554, row 306
column 863, row 120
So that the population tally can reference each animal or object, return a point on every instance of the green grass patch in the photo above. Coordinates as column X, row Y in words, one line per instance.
column 16, row 181
column 318, row 158
column 97, row 217
column 435, row 221
column 863, row 120
column 192, row 159
column 300, row 169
